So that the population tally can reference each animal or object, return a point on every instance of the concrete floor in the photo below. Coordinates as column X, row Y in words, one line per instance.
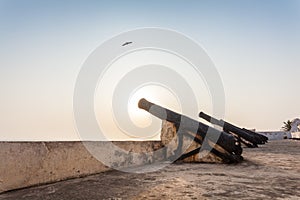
column 269, row 172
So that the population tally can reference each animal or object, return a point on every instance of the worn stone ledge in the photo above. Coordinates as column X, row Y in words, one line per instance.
column 25, row 164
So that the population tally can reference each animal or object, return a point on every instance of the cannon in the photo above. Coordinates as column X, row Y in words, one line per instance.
column 224, row 145
column 247, row 137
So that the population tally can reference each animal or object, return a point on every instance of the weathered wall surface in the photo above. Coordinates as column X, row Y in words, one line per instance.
column 25, row 164
column 169, row 138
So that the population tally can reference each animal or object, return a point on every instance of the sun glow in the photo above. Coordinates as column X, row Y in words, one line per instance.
column 154, row 93
column 158, row 76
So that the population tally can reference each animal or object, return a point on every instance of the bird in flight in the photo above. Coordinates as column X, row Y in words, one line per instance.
column 126, row 43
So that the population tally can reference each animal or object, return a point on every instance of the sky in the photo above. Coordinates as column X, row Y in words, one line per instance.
column 254, row 45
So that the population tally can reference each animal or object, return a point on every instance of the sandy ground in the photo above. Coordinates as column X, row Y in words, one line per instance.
column 269, row 172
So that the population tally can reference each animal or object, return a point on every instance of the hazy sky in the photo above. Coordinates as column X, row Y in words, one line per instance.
column 254, row 44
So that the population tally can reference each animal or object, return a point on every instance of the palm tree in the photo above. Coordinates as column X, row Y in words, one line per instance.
column 287, row 125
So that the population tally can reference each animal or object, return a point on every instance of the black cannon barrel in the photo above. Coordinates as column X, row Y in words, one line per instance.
column 262, row 137
column 211, row 119
column 226, row 141
column 243, row 133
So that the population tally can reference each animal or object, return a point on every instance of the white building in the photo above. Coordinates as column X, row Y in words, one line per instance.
column 295, row 130
column 276, row 135
column 294, row 133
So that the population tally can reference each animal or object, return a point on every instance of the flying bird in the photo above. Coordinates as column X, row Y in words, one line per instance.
column 126, row 43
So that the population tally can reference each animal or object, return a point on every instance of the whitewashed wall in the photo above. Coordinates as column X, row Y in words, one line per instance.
column 277, row 135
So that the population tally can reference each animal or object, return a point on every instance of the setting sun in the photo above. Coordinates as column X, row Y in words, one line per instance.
column 154, row 93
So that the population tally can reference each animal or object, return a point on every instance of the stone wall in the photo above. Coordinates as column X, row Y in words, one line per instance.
column 25, row 164
column 276, row 135
column 169, row 138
